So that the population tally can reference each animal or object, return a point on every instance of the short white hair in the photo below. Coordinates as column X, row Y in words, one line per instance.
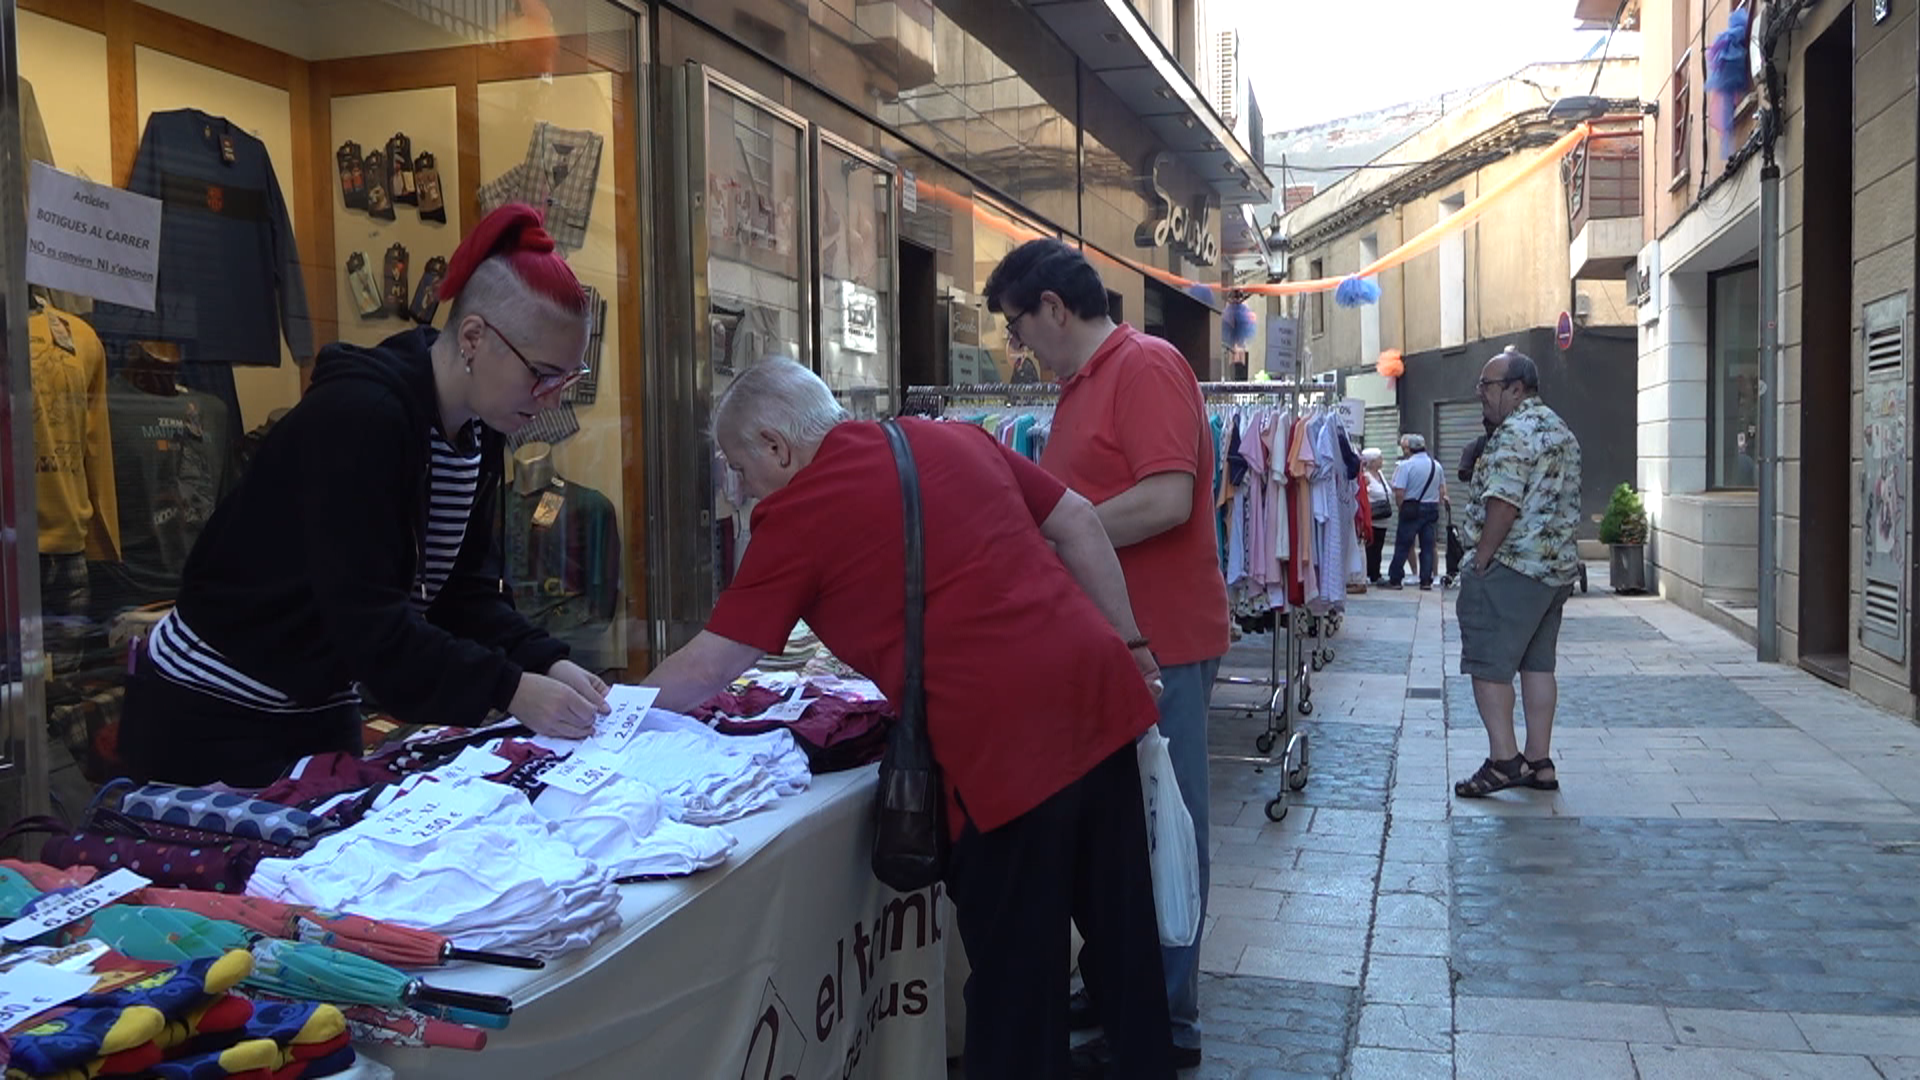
column 1371, row 454
column 778, row 395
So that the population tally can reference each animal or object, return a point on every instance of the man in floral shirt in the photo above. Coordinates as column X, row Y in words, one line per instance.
column 1523, row 511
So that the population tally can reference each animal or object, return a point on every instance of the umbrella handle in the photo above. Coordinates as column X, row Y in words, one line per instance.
column 526, row 963
column 459, row 999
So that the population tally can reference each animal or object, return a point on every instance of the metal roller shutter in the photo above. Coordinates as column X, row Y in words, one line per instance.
column 1383, row 433
column 1456, row 424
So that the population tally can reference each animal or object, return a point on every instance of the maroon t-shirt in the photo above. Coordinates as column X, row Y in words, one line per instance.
column 1028, row 686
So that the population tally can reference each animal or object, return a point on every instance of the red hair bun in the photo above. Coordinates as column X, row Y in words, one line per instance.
column 517, row 233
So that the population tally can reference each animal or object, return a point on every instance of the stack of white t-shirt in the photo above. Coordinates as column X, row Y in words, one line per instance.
column 699, row 780
column 624, row 826
column 775, row 751
column 495, row 875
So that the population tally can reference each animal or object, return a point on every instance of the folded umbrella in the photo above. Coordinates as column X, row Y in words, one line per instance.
column 389, row 943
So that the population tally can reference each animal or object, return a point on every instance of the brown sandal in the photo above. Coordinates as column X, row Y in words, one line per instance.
column 1493, row 776
column 1535, row 768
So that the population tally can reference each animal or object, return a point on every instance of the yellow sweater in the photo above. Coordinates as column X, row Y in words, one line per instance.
column 73, row 450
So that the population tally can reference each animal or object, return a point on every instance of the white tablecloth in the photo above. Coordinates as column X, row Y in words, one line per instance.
column 789, row 961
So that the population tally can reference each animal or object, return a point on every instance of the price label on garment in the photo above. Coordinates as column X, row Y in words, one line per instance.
column 31, row 989
column 619, row 727
column 472, row 761
column 422, row 814
column 581, row 773
column 62, row 908
column 787, row 711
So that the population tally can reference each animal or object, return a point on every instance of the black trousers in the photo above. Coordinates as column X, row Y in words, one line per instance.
column 1376, row 546
column 1081, row 855
column 1417, row 521
column 175, row 735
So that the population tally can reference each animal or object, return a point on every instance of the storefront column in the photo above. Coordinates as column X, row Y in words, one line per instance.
column 23, row 752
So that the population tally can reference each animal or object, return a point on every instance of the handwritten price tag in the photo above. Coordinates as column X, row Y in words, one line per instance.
column 31, row 989
column 787, row 711
column 424, row 813
column 586, row 770
column 64, row 908
column 630, row 705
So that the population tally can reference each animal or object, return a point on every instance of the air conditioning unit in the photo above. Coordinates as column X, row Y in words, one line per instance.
column 1582, row 306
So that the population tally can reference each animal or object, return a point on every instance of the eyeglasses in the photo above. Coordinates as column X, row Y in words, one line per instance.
column 1484, row 383
column 1013, row 332
column 545, row 381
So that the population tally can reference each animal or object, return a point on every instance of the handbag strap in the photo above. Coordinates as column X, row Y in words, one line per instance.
column 913, row 707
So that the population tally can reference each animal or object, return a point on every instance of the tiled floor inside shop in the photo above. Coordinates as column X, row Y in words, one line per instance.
column 1728, row 883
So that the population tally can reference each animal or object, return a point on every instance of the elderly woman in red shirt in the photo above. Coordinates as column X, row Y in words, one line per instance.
column 1034, row 698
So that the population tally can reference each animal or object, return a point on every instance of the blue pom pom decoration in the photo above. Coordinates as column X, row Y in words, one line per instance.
column 1355, row 292
column 1237, row 324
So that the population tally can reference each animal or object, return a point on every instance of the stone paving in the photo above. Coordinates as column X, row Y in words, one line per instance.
column 1728, row 883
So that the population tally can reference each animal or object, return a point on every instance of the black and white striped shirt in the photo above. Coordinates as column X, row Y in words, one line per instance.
column 181, row 656
column 452, row 486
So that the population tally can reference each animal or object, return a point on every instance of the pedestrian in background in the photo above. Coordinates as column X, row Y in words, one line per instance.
column 1521, row 522
column 1419, row 487
column 1130, row 434
column 1380, row 508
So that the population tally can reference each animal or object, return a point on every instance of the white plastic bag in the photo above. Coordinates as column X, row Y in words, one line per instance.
column 1170, row 847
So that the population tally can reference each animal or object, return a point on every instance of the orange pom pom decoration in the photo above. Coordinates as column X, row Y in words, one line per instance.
column 1390, row 364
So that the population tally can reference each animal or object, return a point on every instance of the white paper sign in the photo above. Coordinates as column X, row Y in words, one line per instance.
column 425, row 812
column 92, row 239
column 787, row 711
column 74, row 906
column 909, row 191
column 629, row 704
column 34, row 988
column 581, row 773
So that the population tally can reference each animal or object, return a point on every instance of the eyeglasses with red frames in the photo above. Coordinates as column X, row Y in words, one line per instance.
column 545, row 380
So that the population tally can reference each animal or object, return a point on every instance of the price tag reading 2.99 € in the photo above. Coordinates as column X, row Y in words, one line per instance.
column 59, row 910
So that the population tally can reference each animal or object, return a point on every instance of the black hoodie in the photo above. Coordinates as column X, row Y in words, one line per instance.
column 301, row 576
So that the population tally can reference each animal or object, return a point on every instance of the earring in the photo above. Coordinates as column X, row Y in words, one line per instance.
column 467, row 359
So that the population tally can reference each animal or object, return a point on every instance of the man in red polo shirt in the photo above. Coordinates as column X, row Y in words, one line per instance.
column 1034, row 697
column 1131, row 435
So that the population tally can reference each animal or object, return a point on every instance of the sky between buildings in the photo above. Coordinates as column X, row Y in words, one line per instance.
column 1313, row 60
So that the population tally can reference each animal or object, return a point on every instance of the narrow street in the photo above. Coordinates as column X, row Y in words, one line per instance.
column 1725, row 885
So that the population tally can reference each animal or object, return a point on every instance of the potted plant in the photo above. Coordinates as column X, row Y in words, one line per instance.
column 1624, row 531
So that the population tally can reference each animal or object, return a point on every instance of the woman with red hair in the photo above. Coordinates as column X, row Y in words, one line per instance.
column 358, row 554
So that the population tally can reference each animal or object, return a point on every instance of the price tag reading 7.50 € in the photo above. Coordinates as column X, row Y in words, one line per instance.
column 61, row 909
column 619, row 727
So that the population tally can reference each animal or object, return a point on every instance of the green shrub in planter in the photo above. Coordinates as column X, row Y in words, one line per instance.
column 1626, row 518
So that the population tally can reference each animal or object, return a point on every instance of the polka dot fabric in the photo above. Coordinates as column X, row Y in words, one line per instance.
column 222, row 812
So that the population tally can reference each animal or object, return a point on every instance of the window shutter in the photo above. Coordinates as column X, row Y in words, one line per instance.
column 1884, row 495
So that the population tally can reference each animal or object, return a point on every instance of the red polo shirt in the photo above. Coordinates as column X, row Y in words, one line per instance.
column 1133, row 411
column 1028, row 686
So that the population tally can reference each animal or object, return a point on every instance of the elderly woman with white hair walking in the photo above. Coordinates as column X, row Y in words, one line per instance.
column 1379, row 508
column 1037, row 683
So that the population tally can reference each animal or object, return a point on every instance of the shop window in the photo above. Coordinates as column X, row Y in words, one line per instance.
column 312, row 182
column 1733, row 378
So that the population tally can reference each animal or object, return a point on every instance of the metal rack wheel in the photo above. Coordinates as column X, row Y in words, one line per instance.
column 1263, row 742
column 1329, row 654
column 1306, row 706
column 1317, row 662
column 1277, row 808
column 1298, row 762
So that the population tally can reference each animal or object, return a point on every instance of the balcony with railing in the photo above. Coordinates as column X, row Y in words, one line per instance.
column 1602, row 180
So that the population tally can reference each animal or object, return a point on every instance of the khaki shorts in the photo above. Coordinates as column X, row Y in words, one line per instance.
column 1509, row 623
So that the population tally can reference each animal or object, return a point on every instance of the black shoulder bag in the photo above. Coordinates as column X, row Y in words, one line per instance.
column 910, row 821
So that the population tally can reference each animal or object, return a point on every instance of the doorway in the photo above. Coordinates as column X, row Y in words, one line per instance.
column 1826, row 403
column 1180, row 320
column 922, row 361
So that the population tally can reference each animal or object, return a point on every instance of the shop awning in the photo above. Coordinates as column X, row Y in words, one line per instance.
column 1116, row 45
